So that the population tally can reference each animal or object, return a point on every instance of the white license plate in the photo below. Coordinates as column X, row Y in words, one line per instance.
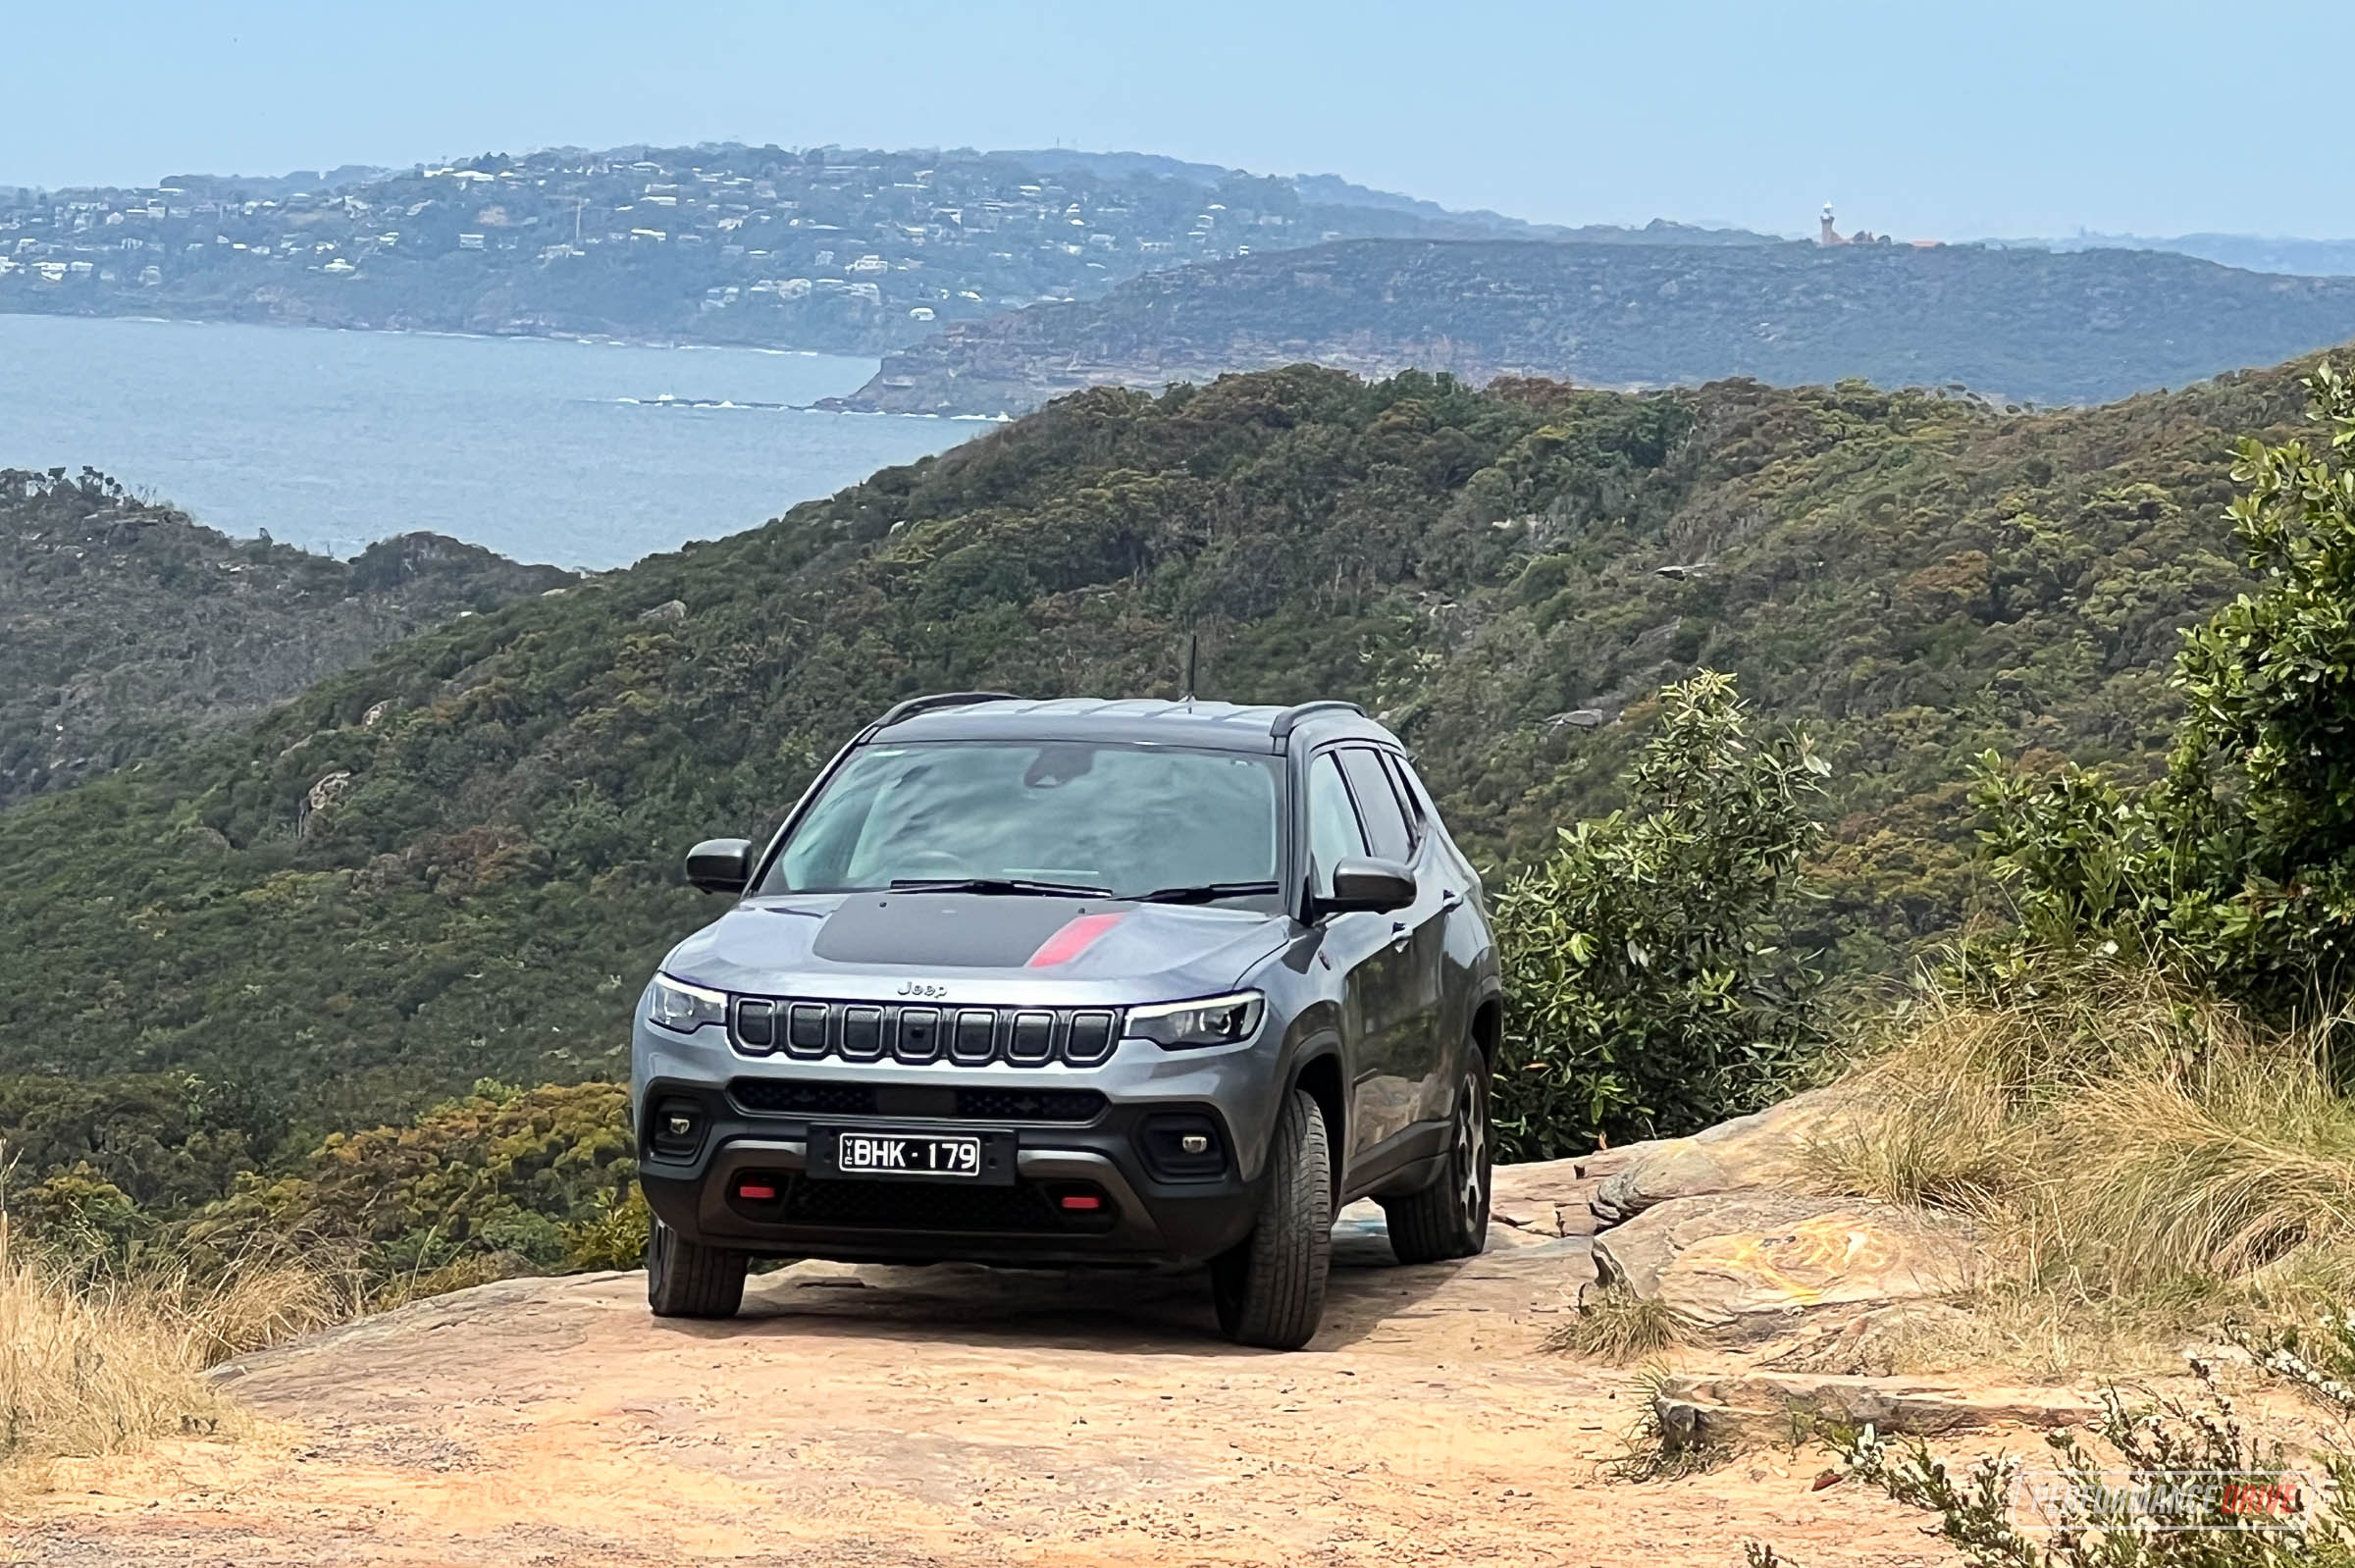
column 906, row 1154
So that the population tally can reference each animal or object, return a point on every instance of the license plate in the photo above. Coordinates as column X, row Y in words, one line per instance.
column 908, row 1154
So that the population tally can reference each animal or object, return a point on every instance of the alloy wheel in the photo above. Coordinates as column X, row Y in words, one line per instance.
column 1471, row 1157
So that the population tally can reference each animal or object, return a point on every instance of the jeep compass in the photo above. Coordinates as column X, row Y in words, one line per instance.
column 1067, row 982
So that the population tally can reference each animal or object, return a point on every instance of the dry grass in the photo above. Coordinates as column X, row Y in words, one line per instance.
column 1614, row 1325
column 96, row 1361
column 2143, row 1163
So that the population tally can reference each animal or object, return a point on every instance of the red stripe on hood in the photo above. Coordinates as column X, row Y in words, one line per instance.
column 1077, row 936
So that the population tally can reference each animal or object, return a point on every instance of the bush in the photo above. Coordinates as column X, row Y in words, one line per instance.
column 2237, row 868
column 506, row 1181
column 1644, row 993
column 2177, row 1485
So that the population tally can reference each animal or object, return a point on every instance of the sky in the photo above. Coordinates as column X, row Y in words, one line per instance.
column 1926, row 120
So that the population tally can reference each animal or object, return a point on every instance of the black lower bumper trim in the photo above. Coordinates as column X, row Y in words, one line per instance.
column 910, row 1220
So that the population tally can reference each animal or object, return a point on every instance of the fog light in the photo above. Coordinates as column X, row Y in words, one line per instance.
column 1182, row 1146
column 674, row 1129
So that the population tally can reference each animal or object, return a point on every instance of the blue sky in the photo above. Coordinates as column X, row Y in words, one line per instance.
column 1926, row 120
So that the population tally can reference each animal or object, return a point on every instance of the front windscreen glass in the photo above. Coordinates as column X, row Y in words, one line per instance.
column 1127, row 819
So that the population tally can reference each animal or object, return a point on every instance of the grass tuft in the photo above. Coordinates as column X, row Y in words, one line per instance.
column 97, row 1361
column 1614, row 1325
column 2142, row 1160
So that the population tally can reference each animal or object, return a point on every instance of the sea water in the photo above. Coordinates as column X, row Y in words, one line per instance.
column 586, row 455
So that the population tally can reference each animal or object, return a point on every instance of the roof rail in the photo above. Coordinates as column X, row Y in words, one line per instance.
column 925, row 705
column 1291, row 717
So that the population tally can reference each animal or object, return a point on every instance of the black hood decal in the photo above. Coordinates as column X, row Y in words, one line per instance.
column 946, row 930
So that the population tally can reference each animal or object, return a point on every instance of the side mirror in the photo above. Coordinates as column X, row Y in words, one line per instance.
column 721, row 864
column 1374, row 886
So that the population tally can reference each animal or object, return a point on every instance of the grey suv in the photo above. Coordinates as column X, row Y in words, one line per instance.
column 1077, row 982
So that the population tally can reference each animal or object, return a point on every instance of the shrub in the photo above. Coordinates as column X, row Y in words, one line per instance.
column 2238, row 867
column 2182, row 1486
column 1644, row 992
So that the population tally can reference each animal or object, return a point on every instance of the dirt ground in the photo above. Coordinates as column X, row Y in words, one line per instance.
column 951, row 1415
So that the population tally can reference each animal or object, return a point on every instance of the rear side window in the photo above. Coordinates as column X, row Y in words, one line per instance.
column 1410, row 795
column 1378, row 806
column 1334, row 835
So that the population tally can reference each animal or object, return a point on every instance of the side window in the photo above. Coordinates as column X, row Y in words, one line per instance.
column 1332, row 831
column 1377, row 805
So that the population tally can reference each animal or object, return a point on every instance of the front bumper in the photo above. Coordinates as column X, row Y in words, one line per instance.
column 1141, row 1215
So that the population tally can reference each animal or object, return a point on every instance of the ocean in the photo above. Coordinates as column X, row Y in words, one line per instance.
column 584, row 454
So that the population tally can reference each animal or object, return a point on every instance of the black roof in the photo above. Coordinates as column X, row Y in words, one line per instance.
column 1220, row 726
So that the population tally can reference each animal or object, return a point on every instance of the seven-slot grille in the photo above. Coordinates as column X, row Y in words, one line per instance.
column 965, row 1036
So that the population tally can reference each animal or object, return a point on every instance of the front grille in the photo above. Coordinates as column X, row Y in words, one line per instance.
column 804, row 1098
column 962, row 1036
column 920, row 1206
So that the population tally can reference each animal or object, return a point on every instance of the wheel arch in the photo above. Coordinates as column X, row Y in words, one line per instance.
column 1319, row 1074
column 1488, row 1027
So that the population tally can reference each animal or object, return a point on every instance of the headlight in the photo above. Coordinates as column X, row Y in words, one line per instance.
column 1210, row 1020
column 676, row 1005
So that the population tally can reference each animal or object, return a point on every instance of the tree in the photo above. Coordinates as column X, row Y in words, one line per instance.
column 2237, row 868
column 1645, row 994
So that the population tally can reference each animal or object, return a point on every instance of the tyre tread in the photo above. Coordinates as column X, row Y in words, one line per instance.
column 1272, row 1287
column 687, row 1279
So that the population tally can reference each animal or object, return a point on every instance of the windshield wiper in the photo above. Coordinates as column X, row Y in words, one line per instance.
column 1002, row 885
column 1204, row 893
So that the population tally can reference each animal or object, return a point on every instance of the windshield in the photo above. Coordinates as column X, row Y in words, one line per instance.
column 1124, row 820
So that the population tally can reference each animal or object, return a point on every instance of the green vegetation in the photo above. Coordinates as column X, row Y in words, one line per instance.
column 1645, row 995
column 2141, row 1092
column 2171, row 1484
column 126, row 628
column 235, row 943
column 2237, row 868
column 2016, row 324
column 501, row 1180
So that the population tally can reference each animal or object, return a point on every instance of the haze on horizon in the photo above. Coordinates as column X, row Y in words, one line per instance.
column 2001, row 119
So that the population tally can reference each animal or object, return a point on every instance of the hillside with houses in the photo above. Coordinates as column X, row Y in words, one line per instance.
column 829, row 249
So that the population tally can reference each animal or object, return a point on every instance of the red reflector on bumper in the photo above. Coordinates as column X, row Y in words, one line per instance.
column 1081, row 1200
column 757, row 1191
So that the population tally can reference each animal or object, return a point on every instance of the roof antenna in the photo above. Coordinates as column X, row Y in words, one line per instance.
column 1193, row 655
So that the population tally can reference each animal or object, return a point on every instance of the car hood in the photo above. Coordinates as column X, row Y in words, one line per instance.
column 964, row 947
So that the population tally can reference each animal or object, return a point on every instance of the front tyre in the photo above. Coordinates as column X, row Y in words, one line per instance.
column 1449, row 1218
column 1270, row 1289
column 687, row 1279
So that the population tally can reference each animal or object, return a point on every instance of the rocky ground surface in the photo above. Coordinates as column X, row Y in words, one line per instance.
column 956, row 1415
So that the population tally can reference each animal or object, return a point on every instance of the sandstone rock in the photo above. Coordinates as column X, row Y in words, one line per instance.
column 1751, row 1406
column 1742, row 1267
column 1750, row 1151
column 1543, row 1198
column 329, row 789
